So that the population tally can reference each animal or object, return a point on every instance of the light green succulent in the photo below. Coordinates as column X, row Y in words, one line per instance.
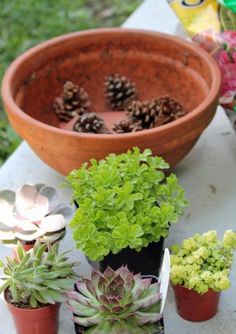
column 124, row 201
column 118, row 300
column 203, row 261
column 36, row 277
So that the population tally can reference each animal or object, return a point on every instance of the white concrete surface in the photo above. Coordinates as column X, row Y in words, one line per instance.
column 207, row 174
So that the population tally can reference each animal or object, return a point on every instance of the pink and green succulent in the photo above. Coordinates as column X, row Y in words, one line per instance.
column 117, row 300
column 32, row 212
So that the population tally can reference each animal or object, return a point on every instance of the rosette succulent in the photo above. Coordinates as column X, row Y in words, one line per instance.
column 124, row 201
column 116, row 300
column 34, row 278
column 203, row 262
column 33, row 212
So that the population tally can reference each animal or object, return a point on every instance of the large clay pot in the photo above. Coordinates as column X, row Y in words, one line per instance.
column 159, row 64
column 35, row 321
column 193, row 306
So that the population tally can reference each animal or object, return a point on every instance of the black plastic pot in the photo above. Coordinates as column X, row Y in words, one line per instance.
column 146, row 262
column 79, row 329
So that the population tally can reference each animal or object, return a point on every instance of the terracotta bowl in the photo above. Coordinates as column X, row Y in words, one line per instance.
column 159, row 64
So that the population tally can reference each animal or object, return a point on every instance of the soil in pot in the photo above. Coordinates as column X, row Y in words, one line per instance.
column 193, row 306
column 43, row 320
column 146, row 262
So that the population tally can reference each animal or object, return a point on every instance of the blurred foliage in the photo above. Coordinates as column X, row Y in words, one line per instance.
column 24, row 23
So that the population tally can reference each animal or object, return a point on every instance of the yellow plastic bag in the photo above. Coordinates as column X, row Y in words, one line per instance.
column 213, row 26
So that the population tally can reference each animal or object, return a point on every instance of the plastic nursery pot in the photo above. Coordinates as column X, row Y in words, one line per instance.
column 193, row 306
column 146, row 262
column 158, row 64
column 43, row 320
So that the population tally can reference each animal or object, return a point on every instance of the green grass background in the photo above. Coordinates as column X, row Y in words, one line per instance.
column 24, row 23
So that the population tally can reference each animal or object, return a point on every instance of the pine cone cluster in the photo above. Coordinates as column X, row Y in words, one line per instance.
column 154, row 113
column 73, row 101
column 121, row 94
column 90, row 122
column 119, row 91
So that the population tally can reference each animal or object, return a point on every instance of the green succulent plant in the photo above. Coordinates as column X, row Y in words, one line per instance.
column 124, row 201
column 116, row 300
column 203, row 261
column 124, row 327
column 36, row 277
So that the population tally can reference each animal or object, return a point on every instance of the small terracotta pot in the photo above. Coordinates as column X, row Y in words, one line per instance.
column 43, row 320
column 159, row 64
column 26, row 247
column 193, row 306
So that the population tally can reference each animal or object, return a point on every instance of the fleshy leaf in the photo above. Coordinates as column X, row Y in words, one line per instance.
column 52, row 195
column 52, row 223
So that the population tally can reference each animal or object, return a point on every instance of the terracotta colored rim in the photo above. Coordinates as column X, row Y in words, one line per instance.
column 10, row 74
column 31, row 311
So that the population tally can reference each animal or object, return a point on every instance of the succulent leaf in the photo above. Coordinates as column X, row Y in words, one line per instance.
column 52, row 195
column 52, row 223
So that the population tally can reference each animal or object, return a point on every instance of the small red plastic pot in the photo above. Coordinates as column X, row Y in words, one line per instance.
column 43, row 320
column 193, row 306
column 26, row 247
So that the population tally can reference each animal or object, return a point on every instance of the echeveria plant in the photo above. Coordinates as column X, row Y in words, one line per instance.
column 203, row 261
column 36, row 277
column 118, row 300
column 33, row 212
column 124, row 201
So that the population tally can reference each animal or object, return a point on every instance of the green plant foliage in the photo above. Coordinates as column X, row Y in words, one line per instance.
column 37, row 277
column 23, row 24
column 124, row 201
column 123, row 327
column 203, row 262
column 8, row 140
column 116, row 302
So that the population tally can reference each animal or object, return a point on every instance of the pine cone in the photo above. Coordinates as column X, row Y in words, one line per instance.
column 90, row 122
column 154, row 113
column 119, row 91
column 73, row 101
column 125, row 126
column 143, row 112
column 170, row 108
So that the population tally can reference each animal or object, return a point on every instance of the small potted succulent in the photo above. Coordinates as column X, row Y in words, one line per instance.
column 34, row 285
column 200, row 270
column 126, row 205
column 33, row 212
column 116, row 302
